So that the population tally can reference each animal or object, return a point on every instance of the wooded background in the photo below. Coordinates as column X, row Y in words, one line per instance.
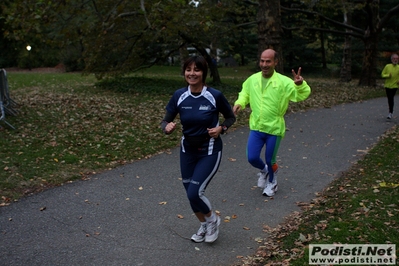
column 115, row 38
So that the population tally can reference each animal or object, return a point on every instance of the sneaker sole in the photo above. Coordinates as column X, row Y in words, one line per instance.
column 195, row 241
column 271, row 195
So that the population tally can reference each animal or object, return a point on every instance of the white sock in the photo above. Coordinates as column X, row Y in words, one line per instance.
column 264, row 169
column 210, row 218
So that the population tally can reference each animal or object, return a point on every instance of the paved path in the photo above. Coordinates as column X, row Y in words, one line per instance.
column 129, row 216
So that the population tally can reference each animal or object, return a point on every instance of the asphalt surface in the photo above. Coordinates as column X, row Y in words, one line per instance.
column 138, row 214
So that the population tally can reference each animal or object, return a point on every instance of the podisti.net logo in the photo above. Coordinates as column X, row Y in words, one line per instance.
column 352, row 254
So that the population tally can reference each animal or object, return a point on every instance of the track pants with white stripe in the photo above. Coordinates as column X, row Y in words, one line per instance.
column 197, row 171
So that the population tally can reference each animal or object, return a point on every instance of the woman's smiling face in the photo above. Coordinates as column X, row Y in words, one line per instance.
column 193, row 75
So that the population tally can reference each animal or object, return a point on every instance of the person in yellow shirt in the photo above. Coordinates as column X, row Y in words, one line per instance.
column 268, row 93
column 391, row 75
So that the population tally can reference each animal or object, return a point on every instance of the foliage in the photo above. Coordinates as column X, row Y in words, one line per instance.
column 127, row 36
column 239, row 35
column 366, row 28
column 116, row 38
column 28, row 23
column 7, row 56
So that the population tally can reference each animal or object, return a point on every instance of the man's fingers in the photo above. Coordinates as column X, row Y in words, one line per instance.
column 297, row 75
column 299, row 71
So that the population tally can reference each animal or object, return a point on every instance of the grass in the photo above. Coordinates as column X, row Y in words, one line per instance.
column 71, row 126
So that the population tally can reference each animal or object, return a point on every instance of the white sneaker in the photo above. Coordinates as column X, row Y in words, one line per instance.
column 200, row 235
column 271, row 187
column 389, row 116
column 212, row 230
column 263, row 176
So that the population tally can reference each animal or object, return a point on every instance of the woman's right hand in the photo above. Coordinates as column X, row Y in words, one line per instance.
column 170, row 127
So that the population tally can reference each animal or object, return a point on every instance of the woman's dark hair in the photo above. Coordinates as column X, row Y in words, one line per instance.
column 200, row 63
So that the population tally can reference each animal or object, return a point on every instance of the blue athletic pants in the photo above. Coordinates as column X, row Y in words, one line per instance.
column 197, row 171
column 256, row 141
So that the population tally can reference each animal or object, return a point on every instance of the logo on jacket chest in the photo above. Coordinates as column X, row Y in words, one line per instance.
column 204, row 107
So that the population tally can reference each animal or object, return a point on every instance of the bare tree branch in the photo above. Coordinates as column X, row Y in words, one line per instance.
column 145, row 14
column 392, row 12
column 251, row 2
column 129, row 14
column 326, row 30
column 334, row 22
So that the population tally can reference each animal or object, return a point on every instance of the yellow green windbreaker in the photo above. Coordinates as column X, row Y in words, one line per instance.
column 269, row 104
column 391, row 82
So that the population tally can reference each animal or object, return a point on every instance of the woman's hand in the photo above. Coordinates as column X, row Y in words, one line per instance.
column 215, row 132
column 170, row 127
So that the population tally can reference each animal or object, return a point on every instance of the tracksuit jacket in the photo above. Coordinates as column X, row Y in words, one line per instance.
column 391, row 82
column 269, row 103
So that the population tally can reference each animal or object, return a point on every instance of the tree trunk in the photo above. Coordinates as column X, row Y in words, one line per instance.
column 368, row 75
column 369, row 68
column 269, row 29
column 183, row 56
column 212, row 67
column 323, row 51
column 242, row 56
column 346, row 66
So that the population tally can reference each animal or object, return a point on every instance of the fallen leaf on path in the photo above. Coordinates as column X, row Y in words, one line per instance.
column 259, row 239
